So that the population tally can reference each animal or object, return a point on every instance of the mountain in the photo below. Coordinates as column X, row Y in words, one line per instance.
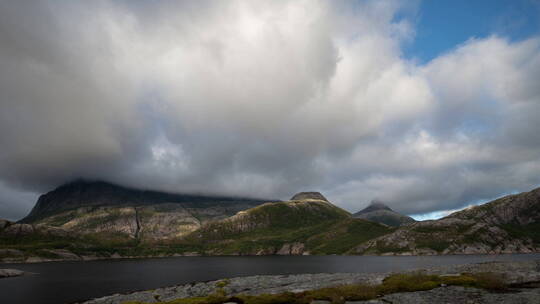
column 98, row 207
column 307, row 224
column 378, row 212
column 510, row 224
column 83, row 193
column 78, row 228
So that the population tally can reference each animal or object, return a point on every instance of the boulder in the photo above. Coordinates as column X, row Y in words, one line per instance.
column 6, row 273
column 291, row 249
column 4, row 223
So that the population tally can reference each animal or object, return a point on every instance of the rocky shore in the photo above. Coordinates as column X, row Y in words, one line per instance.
column 523, row 277
column 6, row 273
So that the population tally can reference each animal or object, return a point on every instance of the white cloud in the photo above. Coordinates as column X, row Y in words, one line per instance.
column 265, row 99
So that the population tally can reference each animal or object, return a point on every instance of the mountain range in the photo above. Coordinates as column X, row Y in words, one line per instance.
column 89, row 220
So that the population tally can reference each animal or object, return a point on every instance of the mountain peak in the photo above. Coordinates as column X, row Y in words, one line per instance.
column 374, row 206
column 379, row 212
column 93, row 193
column 308, row 195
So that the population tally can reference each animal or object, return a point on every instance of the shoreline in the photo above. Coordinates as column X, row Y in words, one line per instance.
column 10, row 273
column 514, row 273
column 37, row 259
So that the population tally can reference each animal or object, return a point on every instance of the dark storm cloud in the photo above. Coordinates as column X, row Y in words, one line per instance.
column 263, row 99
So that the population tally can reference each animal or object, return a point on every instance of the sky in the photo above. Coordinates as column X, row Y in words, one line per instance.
column 429, row 106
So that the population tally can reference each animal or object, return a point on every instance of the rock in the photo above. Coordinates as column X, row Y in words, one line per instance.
column 64, row 254
column 266, row 251
column 291, row 249
column 11, row 255
column 19, row 230
column 89, row 257
column 513, row 272
column 457, row 294
column 4, row 223
column 252, row 285
column 308, row 195
column 36, row 259
column 6, row 273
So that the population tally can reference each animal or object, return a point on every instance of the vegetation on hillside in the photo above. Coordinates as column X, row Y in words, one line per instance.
column 320, row 227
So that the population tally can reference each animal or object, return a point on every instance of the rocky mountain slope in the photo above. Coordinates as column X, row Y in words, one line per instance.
column 507, row 225
column 379, row 212
column 311, row 225
column 307, row 224
column 101, row 208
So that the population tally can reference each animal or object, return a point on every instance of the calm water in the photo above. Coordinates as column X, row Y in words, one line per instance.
column 68, row 282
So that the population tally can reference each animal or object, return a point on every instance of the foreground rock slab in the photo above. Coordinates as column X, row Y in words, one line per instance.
column 512, row 272
column 6, row 273
column 456, row 294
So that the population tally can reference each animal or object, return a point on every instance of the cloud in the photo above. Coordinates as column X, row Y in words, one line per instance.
column 262, row 99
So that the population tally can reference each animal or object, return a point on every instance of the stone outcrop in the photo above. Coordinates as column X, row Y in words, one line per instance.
column 4, row 224
column 308, row 195
column 291, row 249
column 457, row 294
column 19, row 230
column 6, row 273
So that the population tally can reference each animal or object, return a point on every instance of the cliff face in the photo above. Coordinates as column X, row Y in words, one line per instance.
column 507, row 225
column 380, row 213
column 83, row 208
column 151, row 222
column 309, row 195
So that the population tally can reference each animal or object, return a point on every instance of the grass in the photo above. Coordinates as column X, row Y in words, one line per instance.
column 355, row 292
column 531, row 231
column 437, row 245
column 345, row 236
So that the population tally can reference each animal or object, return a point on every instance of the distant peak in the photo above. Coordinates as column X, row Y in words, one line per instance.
column 309, row 195
column 378, row 204
column 374, row 206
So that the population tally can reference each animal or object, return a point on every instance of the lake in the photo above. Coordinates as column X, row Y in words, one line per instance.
column 68, row 282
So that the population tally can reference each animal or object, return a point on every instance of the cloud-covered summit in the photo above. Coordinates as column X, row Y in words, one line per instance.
column 262, row 98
